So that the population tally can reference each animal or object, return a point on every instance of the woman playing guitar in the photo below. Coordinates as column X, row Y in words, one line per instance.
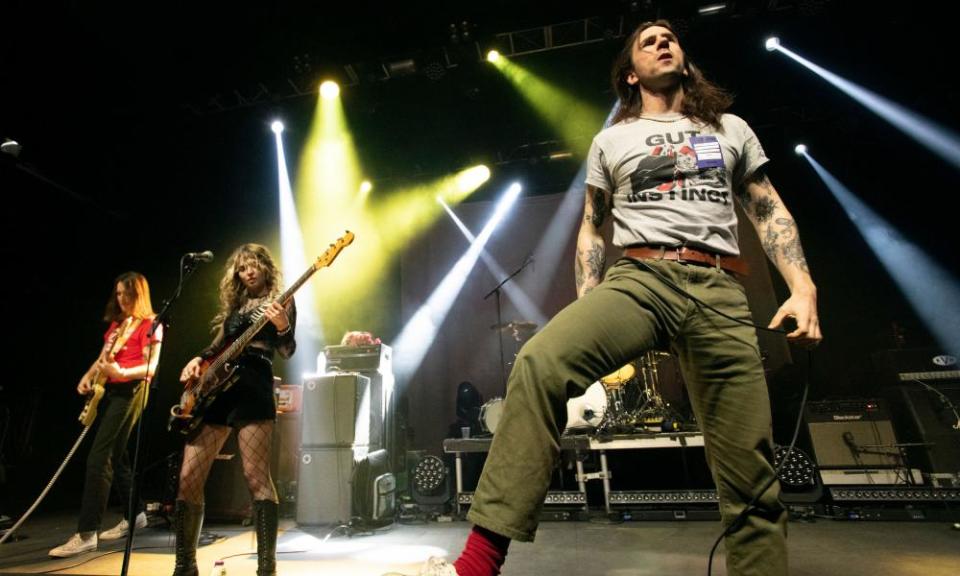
column 116, row 382
column 248, row 290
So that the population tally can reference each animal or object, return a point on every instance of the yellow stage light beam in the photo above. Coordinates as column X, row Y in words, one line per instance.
column 408, row 212
column 574, row 120
column 327, row 191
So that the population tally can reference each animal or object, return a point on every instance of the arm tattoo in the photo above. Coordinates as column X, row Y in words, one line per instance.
column 599, row 208
column 761, row 208
column 784, row 244
column 589, row 266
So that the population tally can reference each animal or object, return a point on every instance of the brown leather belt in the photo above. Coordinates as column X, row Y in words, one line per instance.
column 691, row 255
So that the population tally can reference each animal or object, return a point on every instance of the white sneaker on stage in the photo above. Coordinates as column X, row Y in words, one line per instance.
column 120, row 530
column 77, row 544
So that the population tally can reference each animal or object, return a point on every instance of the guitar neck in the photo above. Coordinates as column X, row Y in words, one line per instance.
column 241, row 342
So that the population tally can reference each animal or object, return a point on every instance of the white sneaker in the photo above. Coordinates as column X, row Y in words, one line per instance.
column 432, row 567
column 120, row 530
column 77, row 544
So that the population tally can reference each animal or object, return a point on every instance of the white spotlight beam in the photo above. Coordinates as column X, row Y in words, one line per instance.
column 932, row 291
column 938, row 140
column 418, row 335
column 525, row 306
column 294, row 262
column 552, row 248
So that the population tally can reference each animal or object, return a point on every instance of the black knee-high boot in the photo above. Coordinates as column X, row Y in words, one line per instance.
column 265, row 516
column 187, row 520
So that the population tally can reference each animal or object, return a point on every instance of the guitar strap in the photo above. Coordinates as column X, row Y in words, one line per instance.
column 122, row 334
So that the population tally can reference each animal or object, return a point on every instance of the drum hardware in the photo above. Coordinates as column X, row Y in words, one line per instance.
column 654, row 411
column 617, row 419
column 587, row 410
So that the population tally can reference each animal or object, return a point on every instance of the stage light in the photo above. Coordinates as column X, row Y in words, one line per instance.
column 800, row 149
column 798, row 470
column 472, row 178
column 329, row 89
column 712, row 8
column 429, row 475
column 293, row 260
column 418, row 335
column 939, row 140
column 932, row 290
column 575, row 120
column 493, row 56
column 772, row 43
column 524, row 304
column 365, row 187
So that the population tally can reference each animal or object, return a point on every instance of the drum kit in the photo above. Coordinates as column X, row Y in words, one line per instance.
column 630, row 399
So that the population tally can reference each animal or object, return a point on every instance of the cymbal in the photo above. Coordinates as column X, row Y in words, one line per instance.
column 515, row 325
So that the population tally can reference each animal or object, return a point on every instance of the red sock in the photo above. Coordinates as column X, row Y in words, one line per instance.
column 483, row 554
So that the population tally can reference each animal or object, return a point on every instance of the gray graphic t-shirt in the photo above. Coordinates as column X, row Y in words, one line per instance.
column 673, row 179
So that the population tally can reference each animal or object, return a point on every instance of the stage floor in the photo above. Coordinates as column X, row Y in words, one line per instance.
column 820, row 548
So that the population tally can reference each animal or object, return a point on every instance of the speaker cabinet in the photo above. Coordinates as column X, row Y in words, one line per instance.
column 852, row 434
column 337, row 411
column 226, row 495
column 323, row 486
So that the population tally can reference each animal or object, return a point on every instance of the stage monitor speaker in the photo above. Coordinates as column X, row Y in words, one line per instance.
column 336, row 411
column 852, row 434
column 226, row 495
column 323, row 486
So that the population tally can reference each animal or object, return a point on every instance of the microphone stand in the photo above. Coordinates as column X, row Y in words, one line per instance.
column 187, row 267
column 496, row 290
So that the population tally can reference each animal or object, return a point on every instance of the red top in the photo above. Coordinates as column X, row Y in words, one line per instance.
column 133, row 351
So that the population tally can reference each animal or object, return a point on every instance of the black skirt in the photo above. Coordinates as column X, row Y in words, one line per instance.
column 251, row 397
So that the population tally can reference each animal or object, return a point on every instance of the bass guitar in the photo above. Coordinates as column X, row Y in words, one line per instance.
column 217, row 372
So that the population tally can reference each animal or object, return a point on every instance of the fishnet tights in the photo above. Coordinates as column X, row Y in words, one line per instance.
column 254, row 440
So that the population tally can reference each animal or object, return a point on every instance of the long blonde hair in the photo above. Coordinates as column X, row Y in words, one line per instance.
column 233, row 293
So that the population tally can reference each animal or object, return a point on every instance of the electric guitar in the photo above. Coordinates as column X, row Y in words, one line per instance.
column 217, row 372
column 98, row 386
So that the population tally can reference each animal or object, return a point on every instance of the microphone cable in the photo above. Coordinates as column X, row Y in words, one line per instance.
column 738, row 522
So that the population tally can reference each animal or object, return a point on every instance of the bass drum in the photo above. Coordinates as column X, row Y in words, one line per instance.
column 586, row 411
column 490, row 414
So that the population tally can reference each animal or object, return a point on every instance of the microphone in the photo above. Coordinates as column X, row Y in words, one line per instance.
column 205, row 256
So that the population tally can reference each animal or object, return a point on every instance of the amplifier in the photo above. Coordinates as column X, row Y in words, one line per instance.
column 359, row 358
column 852, row 434
column 908, row 365
column 924, row 393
